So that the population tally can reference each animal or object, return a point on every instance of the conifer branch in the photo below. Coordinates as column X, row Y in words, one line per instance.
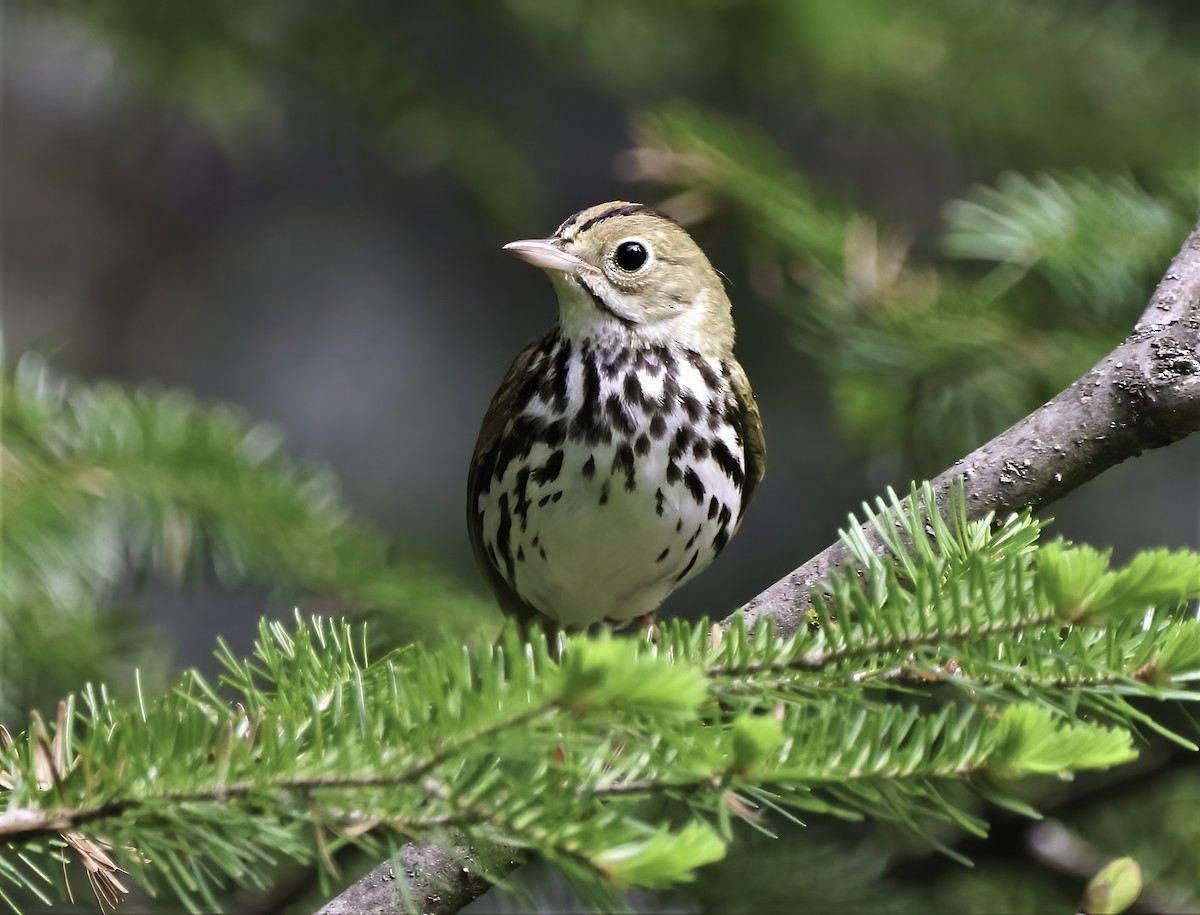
column 1144, row 394
column 306, row 737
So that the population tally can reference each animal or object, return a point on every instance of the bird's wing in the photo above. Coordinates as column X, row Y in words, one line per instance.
column 749, row 425
column 482, row 464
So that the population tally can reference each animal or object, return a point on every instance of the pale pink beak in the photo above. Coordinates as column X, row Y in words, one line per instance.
column 544, row 253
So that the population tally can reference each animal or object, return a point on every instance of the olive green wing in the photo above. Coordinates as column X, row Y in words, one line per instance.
column 483, row 462
column 748, row 421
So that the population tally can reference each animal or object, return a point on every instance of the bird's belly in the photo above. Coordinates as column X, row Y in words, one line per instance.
column 617, row 478
column 606, row 539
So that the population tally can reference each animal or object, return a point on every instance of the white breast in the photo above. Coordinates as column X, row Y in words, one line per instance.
column 611, row 509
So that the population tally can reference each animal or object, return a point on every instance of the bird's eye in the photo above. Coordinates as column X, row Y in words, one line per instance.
column 630, row 255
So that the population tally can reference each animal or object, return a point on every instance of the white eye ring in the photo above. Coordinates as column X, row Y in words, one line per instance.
column 631, row 255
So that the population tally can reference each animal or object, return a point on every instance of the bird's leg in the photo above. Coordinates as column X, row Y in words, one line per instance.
column 716, row 635
column 553, row 639
column 647, row 625
column 550, row 629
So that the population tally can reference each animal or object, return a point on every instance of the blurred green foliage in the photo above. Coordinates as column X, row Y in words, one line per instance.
column 929, row 357
column 100, row 483
column 1116, row 84
column 1080, row 118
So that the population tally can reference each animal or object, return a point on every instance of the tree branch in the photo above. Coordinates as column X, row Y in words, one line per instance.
column 1144, row 394
column 432, row 879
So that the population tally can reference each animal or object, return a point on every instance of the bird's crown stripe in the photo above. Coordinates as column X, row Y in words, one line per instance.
column 629, row 209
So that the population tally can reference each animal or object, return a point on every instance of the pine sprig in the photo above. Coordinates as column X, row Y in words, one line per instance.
column 985, row 610
column 167, row 481
column 209, row 791
column 924, row 673
column 1095, row 241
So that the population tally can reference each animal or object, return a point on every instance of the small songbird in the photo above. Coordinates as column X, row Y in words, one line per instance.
column 622, row 448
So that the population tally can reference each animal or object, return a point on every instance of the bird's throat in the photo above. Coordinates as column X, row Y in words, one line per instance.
column 603, row 306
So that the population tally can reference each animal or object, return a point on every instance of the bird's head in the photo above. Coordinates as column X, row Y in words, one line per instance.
column 626, row 271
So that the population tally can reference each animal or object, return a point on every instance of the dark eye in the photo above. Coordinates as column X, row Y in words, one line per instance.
column 630, row 255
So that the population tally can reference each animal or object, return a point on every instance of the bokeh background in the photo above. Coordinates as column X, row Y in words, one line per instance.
column 931, row 216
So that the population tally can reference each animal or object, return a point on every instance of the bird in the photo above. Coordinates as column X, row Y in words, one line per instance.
column 623, row 446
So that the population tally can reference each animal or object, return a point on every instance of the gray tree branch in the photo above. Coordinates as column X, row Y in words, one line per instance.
column 432, row 879
column 1142, row 395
